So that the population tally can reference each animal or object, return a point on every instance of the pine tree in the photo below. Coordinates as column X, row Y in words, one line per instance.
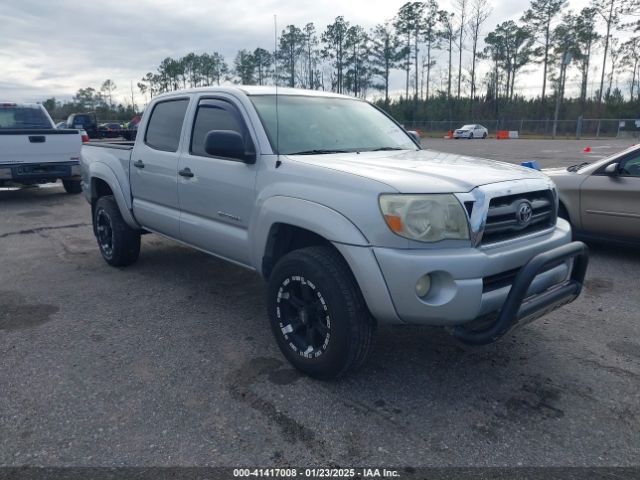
column 334, row 40
column 290, row 49
column 385, row 48
column 263, row 61
column 245, row 67
column 539, row 17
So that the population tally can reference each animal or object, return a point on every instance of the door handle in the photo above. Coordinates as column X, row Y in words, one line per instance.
column 185, row 172
column 138, row 164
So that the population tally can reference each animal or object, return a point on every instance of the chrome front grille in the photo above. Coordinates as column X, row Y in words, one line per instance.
column 517, row 215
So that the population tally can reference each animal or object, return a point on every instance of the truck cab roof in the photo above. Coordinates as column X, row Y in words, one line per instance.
column 257, row 90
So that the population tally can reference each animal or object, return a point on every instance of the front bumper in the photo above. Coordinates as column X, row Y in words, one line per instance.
column 460, row 288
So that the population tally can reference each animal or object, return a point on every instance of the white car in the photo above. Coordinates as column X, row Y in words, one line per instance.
column 471, row 131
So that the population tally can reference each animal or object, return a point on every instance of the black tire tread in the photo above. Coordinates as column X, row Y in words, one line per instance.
column 126, row 245
column 362, row 326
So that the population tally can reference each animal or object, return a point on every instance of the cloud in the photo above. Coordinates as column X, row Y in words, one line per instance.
column 54, row 48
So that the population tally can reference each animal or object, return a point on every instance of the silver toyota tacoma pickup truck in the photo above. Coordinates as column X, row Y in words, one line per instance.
column 343, row 214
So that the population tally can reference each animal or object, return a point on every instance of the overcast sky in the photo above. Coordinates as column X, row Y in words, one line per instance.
column 52, row 48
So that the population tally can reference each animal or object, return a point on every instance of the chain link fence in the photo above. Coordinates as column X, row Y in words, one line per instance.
column 579, row 128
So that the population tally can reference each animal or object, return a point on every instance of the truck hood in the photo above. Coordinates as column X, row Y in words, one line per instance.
column 422, row 171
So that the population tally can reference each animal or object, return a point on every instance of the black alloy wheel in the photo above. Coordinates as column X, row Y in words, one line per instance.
column 104, row 233
column 303, row 317
column 317, row 313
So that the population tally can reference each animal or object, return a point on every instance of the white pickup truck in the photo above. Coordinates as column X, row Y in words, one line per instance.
column 344, row 215
column 33, row 151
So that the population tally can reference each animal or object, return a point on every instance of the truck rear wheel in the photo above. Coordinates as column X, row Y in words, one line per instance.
column 318, row 314
column 72, row 186
column 119, row 243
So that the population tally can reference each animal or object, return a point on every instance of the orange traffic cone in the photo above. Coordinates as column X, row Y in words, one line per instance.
column 587, row 149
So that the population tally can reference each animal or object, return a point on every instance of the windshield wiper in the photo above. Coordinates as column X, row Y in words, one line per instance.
column 575, row 168
column 385, row 149
column 317, row 152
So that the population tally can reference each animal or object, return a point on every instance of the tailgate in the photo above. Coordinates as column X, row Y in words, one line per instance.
column 39, row 146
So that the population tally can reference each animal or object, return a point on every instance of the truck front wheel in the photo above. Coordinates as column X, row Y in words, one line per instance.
column 318, row 314
column 119, row 243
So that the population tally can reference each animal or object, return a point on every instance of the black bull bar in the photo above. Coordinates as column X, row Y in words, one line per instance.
column 519, row 309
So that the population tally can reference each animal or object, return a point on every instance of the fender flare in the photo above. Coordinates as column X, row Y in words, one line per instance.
column 317, row 218
column 105, row 173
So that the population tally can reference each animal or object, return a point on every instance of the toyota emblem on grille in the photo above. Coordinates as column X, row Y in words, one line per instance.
column 524, row 212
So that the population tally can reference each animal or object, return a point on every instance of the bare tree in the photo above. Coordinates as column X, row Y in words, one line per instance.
column 448, row 34
column 585, row 36
column 461, row 7
column 615, row 57
column 480, row 11
column 563, row 50
column 311, row 56
column 631, row 60
column 431, row 38
column 107, row 89
column 143, row 90
column 609, row 11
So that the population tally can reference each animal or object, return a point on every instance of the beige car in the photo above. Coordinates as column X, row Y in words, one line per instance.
column 602, row 199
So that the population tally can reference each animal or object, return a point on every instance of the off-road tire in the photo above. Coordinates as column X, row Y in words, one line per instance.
column 119, row 243
column 341, row 305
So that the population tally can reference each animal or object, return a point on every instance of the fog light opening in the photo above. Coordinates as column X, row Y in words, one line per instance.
column 423, row 285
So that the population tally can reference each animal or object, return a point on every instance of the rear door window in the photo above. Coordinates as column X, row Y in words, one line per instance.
column 165, row 125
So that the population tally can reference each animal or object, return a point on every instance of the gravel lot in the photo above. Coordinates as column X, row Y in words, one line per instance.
column 171, row 362
column 548, row 153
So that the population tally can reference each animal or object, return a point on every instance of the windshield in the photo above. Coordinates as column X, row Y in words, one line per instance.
column 23, row 117
column 467, row 127
column 317, row 125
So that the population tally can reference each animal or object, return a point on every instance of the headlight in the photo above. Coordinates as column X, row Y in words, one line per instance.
column 425, row 218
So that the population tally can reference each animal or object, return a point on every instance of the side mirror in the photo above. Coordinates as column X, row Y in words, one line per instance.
column 611, row 169
column 227, row 143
